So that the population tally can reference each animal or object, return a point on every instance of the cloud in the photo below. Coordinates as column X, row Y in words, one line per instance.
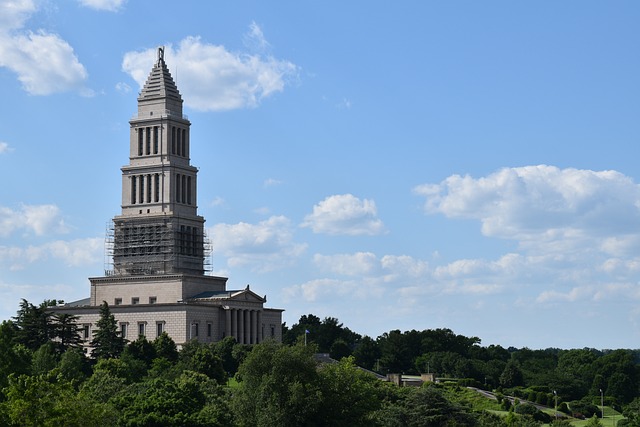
column 38, row 219
column 357, row 264
column 344, row 214
column 254, row 39
column 265, row 246
column 74, row 253
column 44, row 62
column 271, row 182
column 108, row 5
column 211, row 78
column 4, row 147
column 559, row 209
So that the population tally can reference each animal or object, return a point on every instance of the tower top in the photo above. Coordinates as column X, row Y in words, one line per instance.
column 160, row 84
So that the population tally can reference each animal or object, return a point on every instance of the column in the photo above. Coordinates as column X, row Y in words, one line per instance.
column 227, row 314
column 234, row 323
column 259, row 330
column 254, row 327
column 241, row 326
column 247, row 326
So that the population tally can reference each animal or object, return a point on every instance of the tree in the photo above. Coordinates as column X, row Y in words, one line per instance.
column 44, row 359
column 350, row 395
column 34, row 324
column 367, row 353
column 512, row 375
column 65, row 331
column 107, row 342
column 165, row 347
column 279, row 386
column 423, row 407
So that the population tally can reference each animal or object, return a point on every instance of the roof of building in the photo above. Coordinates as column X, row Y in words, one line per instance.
column 160, row 84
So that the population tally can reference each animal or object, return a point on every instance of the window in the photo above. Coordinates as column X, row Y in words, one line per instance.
column 135, row 300
column 173, row 140
column 86, row 333
column 179, row 142
column 141, row 198
column 133, row 190
column 117, row 301
column 123, row 330
column 273, row 331
column 153, row 300
column 209, row 327
column 178, row 186
column 148, row 151
column 184, row 189
column 140, row 144
column 184, row 143
column 159, row 328
column 141, row 327
column 155, row 140
column 188, row 190
column 157, row 187
column 194, row 329
column 148, row 188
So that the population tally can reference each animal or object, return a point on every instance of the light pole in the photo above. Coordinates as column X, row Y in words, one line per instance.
column 555, row 394
column 602, row 404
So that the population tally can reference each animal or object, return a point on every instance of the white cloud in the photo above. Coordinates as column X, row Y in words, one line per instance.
column 4, row 147
column 344, row 214
column 123, row 87
column 254, row 39
column 211, row 78
column 265, row 246
column 108, row 5
column 44, row 62
column 38, row 219
column 357, row 264
column 74, row 253
column 545, row 207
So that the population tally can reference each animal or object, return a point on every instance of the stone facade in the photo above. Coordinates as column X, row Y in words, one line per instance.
column 158, row 281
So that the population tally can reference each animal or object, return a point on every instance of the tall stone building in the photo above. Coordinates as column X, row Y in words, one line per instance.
column 158, row 281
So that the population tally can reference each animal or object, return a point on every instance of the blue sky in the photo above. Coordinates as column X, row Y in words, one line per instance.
column 406, row 165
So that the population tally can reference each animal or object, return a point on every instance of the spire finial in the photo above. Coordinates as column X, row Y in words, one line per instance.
column 161, row 54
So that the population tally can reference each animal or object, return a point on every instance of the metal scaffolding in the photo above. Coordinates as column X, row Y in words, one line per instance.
column 156, row 246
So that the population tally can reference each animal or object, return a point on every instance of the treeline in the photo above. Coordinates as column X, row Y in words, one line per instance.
column 46, row 379
column 576, row 374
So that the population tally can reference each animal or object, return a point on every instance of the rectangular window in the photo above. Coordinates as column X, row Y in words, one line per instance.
column 209, row 327
column 86, row 333
column 141, row 329
column 141, row 198
column 117, row 301
column 133, row 190
column 135, row 300
column 148, row 141
column 194, row 329
column 157, row 186
column 140, row 136
column 159, row 328
column 153, row 300
column 273, row 331
column 155, row 140
column 123, row 330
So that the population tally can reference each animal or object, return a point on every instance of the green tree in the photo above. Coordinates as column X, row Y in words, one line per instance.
column 107, row 342
column 34, row 324
column 512, row 375
column 423, row 407
column 65, row 331
column 350, row 395
column 279, row 386
column 367, row 353
column 165, row 347
column 44, row 359
column 339, row 349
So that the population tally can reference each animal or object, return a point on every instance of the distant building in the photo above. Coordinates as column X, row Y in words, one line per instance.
column 158, row 281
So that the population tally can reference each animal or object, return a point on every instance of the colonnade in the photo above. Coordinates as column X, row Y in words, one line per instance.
column 245, row 325
column 145, row 188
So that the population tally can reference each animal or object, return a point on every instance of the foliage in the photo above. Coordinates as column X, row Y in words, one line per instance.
column 107, row 342
column 279, row 385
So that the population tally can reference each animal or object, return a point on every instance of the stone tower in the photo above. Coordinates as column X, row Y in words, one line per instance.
column 158, row 282
column 159, row 230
